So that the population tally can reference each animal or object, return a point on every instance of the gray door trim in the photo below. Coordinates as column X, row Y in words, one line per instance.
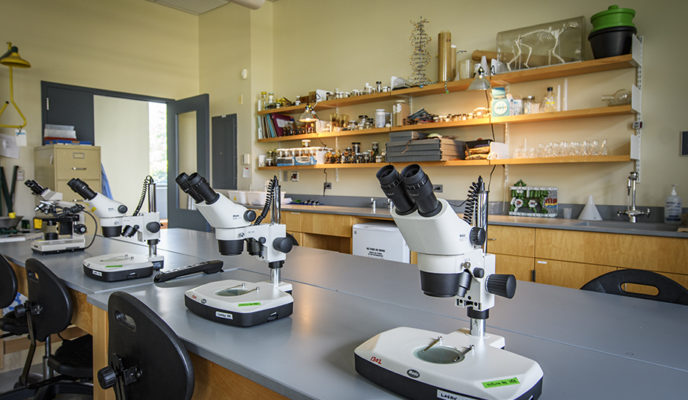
column 181, row 218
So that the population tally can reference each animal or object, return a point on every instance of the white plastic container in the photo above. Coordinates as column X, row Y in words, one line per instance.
column 380, row 118
column 381, row 240
column 672, row 208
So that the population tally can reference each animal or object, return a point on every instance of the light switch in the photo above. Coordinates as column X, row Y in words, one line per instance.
column 246, row 159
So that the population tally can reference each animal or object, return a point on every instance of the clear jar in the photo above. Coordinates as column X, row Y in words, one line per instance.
column 380, row 118
column 528, row 103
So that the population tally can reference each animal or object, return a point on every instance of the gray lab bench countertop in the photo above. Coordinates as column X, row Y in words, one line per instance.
column 309, row 355
column 626, row 228
column 543, row 311
column 68, row 266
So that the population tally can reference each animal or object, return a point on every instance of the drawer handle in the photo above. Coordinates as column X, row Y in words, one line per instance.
column 492, row 239
column 78, row 168
column 541, row 262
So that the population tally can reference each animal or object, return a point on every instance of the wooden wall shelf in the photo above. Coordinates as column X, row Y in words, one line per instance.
column 515, row 119
column 526, row 75
column 468, row 163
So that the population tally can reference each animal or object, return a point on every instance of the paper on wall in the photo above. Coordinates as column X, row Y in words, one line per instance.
column 8, row 146
column 20, row 136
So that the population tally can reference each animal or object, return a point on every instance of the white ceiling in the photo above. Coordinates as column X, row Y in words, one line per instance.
column 197, row 7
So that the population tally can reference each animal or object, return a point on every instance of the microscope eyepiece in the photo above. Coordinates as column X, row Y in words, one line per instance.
column 34, row 186
column 199, row 185
column 392, row 185
column 81, row 188
column 419, row 188
column 183, row 182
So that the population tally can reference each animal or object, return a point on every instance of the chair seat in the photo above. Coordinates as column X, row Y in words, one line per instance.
column 74, row 358
column 11, row 324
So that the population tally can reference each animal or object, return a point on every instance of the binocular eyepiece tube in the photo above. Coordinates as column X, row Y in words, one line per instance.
column 81, row 188
column 410, row 190
column 197, row 187
column 34, row 186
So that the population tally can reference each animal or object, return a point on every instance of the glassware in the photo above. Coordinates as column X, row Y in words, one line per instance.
column 603, row 147
column 549, row 103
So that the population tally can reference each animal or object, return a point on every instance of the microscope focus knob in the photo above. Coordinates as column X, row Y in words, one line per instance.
column 249, row 215
column 107, row 377
column 502, row 285
column 80, row 229
column 122, row 209
column 282, row 244
column 477, row 236
column 153, row 227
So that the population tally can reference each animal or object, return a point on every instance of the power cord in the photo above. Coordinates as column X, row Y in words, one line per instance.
column 147, row 181
column 324, row 183
column 93, row 238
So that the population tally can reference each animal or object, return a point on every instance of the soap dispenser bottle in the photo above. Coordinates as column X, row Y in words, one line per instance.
column 672, row 208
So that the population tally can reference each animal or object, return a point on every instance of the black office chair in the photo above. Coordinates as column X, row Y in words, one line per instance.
column 49, row 311
column 14, row 322
column 146, row 359
column 612, row 282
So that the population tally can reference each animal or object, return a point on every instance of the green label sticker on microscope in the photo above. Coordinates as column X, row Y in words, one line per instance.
column 114, row 266
column 249, row 304
column 501, row 382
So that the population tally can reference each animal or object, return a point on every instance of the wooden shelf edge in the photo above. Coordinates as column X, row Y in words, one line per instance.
column 321, row 135
column 468, row 163
column 562, row 160
column 283, row 110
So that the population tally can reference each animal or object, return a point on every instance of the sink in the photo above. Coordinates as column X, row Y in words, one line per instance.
column 640, row 226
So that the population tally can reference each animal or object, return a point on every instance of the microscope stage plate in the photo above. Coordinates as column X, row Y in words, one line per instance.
column 239, row 303
column 481, row 369
column 118, row 267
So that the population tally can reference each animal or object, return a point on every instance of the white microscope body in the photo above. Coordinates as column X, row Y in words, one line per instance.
column 467, row 363
column 114, row 222
column 68, row 217
column 234, row 302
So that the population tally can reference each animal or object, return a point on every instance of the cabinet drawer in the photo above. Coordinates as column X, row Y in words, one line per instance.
column 520, row 267
column 625, row 251
column 511, row 240
column 77, row 163
column 567, row 274
column 292, row 220
column 326, row 224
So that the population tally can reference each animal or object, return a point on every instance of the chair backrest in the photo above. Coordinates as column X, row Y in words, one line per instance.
column 612, row 282
column 139, row 337
column 49, row 303
column 8, row 283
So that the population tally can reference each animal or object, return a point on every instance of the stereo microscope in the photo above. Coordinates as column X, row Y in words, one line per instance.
column 467, row 363
column 115, row 222
column 234, row 302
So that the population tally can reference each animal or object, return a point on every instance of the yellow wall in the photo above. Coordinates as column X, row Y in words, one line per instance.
column 343, row 44
column 126, row 45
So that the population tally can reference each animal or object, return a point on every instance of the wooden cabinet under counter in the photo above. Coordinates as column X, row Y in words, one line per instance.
column 520, row 267
column 567, row 274
column 659, row 254
column 511, row 240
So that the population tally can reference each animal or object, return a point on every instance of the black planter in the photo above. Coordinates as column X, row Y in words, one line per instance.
column 610, row 42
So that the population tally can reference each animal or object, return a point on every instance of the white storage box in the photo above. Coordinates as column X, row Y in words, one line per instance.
column 380, row 240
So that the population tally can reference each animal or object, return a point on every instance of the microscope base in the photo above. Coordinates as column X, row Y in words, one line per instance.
column 402, row 360
column 239, row 303
column 118, row 267
column 58, row 245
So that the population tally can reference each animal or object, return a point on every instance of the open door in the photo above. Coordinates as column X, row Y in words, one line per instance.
column 188, row 150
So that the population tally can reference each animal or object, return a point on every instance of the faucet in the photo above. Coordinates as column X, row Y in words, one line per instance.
column 372, row 203
column 632, row 212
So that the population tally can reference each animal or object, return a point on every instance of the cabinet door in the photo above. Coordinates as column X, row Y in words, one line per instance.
column 567, row 274
column 292, row 220
column 326, row 224
column 520, row 267
column 511, row 240
column 625, row 251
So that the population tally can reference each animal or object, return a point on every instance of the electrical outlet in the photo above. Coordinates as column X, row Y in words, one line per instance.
column 294, row 176
column 327, row 185
column 437, row 188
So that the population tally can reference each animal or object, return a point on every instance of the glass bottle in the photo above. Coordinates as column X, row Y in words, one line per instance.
column 549, row 103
